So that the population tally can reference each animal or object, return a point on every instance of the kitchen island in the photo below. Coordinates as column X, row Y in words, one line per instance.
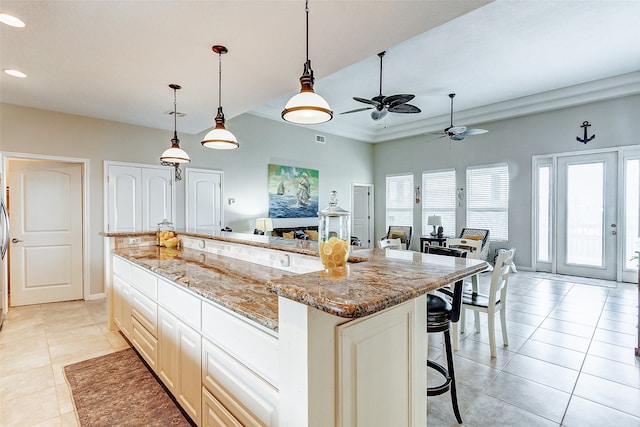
column 274, row 339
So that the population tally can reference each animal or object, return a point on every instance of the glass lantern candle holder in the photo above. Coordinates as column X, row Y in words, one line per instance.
column 164, row 232
column 334, row 234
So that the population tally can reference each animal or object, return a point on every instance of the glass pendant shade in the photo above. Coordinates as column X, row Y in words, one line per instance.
column 220, row 138
column 175, row 154
column 307, row 107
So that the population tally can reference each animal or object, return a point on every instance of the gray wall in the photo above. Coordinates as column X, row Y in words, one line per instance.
column 615, row 123
column 340, row 161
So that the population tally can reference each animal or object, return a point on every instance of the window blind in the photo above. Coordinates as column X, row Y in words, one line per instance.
column 439, row 198
column 488, row 200
column 400, row 199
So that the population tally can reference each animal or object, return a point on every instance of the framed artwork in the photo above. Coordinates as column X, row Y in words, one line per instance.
column 293, row 192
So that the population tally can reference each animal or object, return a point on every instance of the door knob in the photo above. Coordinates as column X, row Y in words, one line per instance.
column 14, row 240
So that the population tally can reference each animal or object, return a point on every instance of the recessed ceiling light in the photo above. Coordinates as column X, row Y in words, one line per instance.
column 5, row 18
column 15, row 73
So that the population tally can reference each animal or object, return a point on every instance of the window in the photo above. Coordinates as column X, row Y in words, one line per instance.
column 399, row 200
column 544, row 213
column 439, row 198
column 488, row 200
column 632, row 211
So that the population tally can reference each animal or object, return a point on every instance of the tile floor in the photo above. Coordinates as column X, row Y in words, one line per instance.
column 36, row 342
column 569, row 361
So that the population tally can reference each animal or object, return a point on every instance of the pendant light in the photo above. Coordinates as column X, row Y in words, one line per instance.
column 307, row 107
column 219, row 137
column 175, row 155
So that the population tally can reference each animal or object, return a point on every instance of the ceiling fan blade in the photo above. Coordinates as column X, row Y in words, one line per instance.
column 475, row 131
column 379, row 114
column 367, row 101
column 357, row 109
column 397, row 99
column 404, row 108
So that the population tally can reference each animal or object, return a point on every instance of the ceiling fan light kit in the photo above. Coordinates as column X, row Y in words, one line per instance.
column 458, row 133
column 381, row 105
column 175, row 155
column 220, row 138
column 307, row 107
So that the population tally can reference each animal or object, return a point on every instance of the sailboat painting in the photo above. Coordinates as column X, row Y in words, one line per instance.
column 293, row 192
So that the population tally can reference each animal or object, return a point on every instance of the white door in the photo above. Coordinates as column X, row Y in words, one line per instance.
column 587, row 214
column 203, row 197
column 46, row 232
column 361, row 214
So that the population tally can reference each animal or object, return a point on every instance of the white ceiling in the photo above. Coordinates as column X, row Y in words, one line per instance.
column 114, row 59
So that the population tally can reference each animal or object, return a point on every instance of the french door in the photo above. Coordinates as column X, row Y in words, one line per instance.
column 587, row 213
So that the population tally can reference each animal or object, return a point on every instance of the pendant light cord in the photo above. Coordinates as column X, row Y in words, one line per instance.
column 306, row 9
column 175, row 115
column 220, row 79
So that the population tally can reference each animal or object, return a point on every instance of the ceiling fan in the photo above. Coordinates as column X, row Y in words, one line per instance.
column 381, row 105
column 458, row 133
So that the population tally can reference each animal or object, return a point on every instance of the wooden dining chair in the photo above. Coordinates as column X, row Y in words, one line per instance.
column 495, row 301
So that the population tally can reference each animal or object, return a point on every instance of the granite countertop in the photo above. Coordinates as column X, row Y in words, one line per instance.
column 373, row 280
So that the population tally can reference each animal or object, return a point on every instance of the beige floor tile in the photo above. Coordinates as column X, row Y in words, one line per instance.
column 25, row 383
column 16, row 357
column 116, row 341
column 31, row 409
column 65, row 402
column 69, row 419
column 53, row 422
column 75, row 349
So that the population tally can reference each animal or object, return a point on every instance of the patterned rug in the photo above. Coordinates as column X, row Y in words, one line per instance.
column 119, row 390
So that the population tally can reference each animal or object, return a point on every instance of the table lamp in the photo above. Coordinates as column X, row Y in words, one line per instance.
column 435, row 221
column 264, row 225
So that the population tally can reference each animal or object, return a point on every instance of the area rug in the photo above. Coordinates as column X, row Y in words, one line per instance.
column 119, row 390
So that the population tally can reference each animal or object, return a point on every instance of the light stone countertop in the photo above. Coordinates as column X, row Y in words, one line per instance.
column 373, row 280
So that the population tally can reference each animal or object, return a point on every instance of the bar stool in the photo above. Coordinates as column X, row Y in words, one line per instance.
column 441, row 313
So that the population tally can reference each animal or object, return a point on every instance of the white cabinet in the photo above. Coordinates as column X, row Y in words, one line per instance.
column 179, row 362
column 245, row 396
column 389, row 338
column 122, row 305
column 138, row 196
column 214, row 414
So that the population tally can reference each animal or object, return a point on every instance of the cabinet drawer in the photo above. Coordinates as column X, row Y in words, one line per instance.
column 121, row 267
column 144, row 281
column 145, row 343
column 145, row 311
column 214, row 414
column 250, row 343
column 179, row 302
column 250, row 399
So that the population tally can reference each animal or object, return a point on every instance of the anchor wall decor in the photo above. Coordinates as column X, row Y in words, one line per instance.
column 586, row 139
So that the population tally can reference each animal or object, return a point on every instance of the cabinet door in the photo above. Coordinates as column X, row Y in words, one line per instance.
column 124, row 198
column 179, row 362
column 157, row 197
column 214, row 414
column 203, row 200
column 122, row 305
column 139, row 197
